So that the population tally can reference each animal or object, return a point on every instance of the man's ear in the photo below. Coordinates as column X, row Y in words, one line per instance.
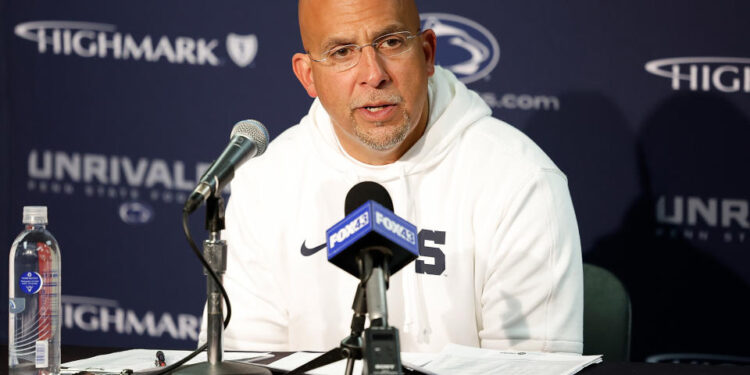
column 429, row 41
column 302, row 67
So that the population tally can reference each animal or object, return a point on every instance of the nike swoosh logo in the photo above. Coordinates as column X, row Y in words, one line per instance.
column 310, row 251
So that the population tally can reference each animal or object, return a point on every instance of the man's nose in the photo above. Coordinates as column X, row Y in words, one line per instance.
column 371, row 68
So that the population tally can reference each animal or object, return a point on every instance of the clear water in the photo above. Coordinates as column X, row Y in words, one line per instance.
column 34, row 303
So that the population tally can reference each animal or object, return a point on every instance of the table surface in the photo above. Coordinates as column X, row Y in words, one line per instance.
column 72, row 353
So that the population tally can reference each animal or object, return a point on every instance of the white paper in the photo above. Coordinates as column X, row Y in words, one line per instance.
column 295, row 360
column 143, row 359
column 457, row 359
column 453, row 359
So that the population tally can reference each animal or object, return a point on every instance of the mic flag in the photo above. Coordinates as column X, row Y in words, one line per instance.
column 372, row 226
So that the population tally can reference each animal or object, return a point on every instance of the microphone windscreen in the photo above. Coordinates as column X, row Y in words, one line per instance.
column 253, row 130
column 365, row 191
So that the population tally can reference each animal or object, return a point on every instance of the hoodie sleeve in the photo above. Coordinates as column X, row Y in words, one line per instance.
column 529, row 278
column 258, row 316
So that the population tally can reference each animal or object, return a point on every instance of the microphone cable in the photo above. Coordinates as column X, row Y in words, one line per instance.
column 194, row 248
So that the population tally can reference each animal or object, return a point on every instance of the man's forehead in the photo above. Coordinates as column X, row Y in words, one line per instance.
column 324, row 20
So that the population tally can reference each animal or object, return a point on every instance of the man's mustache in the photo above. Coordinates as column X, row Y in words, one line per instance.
column 376, row 99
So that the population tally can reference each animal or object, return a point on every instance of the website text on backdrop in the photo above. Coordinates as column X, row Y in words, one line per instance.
column 500, row 254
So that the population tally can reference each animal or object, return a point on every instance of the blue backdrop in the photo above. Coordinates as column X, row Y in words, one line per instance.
column 109, row 111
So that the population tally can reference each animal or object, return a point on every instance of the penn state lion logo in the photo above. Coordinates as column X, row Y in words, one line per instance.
column 465, row 47
column 242, row 48
column 135, row 213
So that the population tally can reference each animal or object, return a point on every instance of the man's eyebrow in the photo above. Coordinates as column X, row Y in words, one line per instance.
column 339, row 41
column 396, row 27
column 335, row 41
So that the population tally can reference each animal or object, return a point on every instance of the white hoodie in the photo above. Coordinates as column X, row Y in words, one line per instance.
column 500, row 263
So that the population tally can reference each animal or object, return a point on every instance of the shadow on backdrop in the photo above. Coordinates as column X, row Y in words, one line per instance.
column 686, row 278
column 687, row 268
column 591, row 142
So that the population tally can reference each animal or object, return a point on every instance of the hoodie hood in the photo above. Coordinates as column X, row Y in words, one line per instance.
column 453, row 108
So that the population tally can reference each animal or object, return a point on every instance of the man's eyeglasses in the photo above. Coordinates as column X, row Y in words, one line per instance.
column 347, row 56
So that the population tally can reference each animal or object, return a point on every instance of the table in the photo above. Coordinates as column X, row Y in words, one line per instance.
column 72, row 353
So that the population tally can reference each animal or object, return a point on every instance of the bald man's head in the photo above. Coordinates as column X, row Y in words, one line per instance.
column 377, row 100
column 310, row 12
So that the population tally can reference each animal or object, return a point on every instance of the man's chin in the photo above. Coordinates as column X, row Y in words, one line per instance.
column 383, row 138
column 380, row 146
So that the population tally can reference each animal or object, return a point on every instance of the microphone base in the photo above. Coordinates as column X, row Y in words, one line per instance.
column 222, row 368
column 382, row 351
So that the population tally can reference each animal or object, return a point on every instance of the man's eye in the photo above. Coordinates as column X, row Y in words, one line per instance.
column 391, row 42
column 341, row 53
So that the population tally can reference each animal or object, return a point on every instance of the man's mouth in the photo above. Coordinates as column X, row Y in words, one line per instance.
column 377, row 108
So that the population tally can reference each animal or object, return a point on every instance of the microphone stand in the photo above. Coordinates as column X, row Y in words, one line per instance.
column 377, row 344
column 350, row 347
column 215, row 252
column 382, row 351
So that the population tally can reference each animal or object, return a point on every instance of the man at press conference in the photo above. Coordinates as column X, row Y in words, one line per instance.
column 500, row 254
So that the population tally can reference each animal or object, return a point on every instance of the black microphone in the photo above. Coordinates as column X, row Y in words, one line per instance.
column 373, row 243
column 368, row 226
column 249, row 139
column 360, row 193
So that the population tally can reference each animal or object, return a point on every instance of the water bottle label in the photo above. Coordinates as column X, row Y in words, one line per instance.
column 42, row 354
column 17, row 305
column 30, row 282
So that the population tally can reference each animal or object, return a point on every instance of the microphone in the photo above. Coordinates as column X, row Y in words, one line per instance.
column 360, row 193
column 373, row 243
column 248, row 139
column 370, row 223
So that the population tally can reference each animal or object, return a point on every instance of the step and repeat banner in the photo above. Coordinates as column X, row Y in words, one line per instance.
column 111, row 110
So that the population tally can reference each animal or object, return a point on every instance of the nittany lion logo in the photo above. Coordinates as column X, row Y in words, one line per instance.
column 136, row 212
column 465, row 47
column 242, row 48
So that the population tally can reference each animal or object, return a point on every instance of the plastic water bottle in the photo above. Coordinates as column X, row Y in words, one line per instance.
column 34, row 311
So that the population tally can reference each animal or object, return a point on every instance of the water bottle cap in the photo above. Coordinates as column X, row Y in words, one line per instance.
column 35, row 214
